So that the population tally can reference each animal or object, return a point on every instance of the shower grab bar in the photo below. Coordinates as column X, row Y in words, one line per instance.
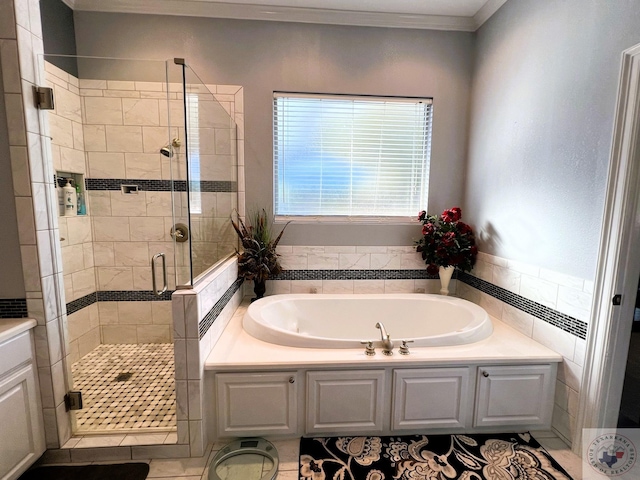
column 164, row 273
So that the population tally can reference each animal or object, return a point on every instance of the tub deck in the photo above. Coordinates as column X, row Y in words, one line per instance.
column 237, row 350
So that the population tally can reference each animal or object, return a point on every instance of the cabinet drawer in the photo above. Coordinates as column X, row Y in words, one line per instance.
column 430, row 398
column 15, row 351
column 256, row 404
column 345, row 401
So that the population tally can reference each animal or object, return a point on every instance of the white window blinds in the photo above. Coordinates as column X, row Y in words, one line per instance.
column 350, row 156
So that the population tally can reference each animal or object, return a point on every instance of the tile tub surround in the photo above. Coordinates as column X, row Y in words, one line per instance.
column 547, row 306
column 238, row 353
column 238, row 350
column 566, row 296
column 351, row 269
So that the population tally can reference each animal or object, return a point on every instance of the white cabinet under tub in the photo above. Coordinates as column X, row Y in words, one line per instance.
column 345, row 401
column 514, row 395
column 428, row 398
column 385, row 401
column 257, row 404
column 20, row 412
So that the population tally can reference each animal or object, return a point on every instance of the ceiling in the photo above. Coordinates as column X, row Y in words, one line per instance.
column 461, row 15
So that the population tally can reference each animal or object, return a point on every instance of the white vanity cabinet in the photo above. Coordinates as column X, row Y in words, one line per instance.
column 254, row 404
column 429, row 398
column 519, row 395
column 22, row 442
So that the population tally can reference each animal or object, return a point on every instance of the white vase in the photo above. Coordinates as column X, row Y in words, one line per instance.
column 445, row 277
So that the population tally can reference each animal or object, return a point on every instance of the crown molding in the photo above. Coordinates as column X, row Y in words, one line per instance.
column 196, row 8
column 487, row 10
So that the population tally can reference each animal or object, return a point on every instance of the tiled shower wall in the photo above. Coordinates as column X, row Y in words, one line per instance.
column 551, row 308
column 76, row 238
column 112, row 132
column 123, row 135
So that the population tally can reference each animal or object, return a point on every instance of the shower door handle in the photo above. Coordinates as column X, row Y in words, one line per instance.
column 164, row 273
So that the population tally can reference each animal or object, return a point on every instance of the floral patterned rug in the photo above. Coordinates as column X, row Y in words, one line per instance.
column 506, row 456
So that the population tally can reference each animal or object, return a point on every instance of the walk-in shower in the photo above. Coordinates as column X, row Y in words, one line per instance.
column 151, row 152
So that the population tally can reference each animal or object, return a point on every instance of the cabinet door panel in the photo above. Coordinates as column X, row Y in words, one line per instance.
column 432, row 397
column 349, row 401
column 515, row 395
column 256, row 404
column 19, row 416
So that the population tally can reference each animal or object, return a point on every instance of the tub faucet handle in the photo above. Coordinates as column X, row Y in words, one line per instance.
column 404, row 348
column 369, row 350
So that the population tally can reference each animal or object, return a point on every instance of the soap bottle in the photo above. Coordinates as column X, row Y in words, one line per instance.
column 70, row 200
column 82, row 209
column 60, row 191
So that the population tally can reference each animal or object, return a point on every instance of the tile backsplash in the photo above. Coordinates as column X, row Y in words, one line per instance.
column 351, row 269
column 570, row 296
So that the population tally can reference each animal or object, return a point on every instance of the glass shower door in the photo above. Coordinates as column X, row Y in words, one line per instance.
column 108, row 129
column 210, row 173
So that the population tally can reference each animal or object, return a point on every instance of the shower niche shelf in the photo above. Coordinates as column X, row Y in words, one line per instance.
column 77, row 179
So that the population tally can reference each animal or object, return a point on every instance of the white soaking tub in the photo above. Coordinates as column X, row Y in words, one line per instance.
column 344, row 321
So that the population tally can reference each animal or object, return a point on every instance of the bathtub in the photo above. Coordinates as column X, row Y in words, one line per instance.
column 344, row 321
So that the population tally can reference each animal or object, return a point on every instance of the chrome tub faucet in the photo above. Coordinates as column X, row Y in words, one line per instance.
column 387, row 344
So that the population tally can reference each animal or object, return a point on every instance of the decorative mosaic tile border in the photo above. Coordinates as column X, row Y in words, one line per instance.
column 354, row 275
column 116, row 296
column 562, row 321
column 133, row 296
column 146, row 185
column 210, row 317
column 82, row 302
column 13, row 308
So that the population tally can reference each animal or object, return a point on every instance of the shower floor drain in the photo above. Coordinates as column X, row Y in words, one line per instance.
column 123, row 377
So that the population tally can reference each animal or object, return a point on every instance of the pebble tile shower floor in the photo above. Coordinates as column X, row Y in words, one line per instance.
column 114, row 401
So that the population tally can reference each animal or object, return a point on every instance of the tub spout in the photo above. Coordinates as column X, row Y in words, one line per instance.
column 387, row 344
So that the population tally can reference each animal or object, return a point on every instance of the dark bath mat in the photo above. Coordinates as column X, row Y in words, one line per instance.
column 442, row 457
column 120, row 471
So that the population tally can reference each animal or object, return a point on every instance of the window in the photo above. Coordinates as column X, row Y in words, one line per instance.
column 193, row 149
column 350, row 157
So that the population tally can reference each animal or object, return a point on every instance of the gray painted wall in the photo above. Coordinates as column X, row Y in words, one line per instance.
column 11, row 280
column 544, row 94
column 58, row 34
column 268, row 56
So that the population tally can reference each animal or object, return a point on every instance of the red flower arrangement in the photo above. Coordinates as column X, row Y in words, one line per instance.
column 446, row 241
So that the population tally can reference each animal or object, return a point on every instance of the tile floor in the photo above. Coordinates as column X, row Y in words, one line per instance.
column 288, row 451
column 126, row 388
